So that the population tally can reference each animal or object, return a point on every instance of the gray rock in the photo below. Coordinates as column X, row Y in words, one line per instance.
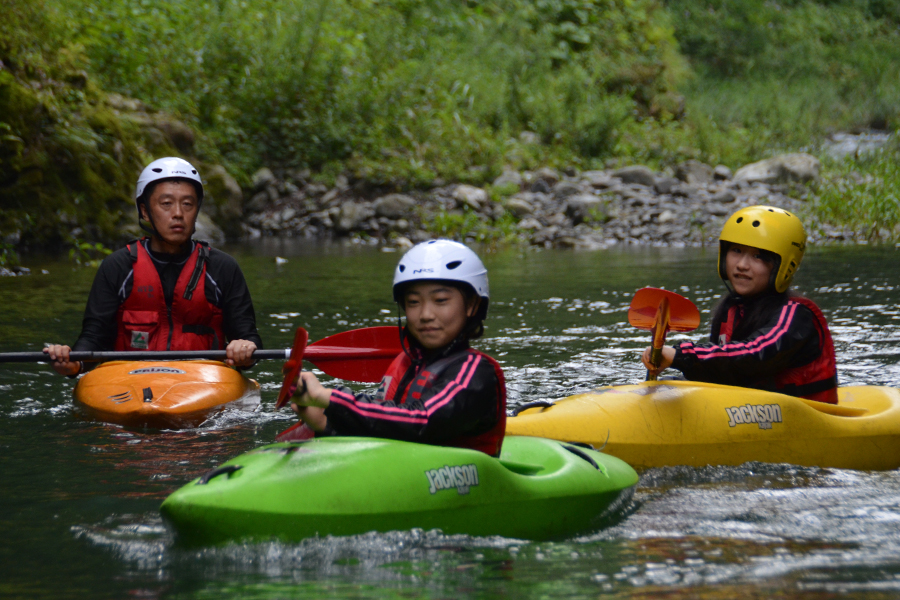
column 259, row 202
column 666, row 216
column 540, row 186
column 723, row 197
column 564, row 189
column 207, row 230
column 262, row 178
column 519, row 206
column 548, row 175
column 394, row 206
column 351, row 215
column 509, row 179
column 530, row 223
column 694, row 172
column 787, row 168
column 471, row 196
column 585, row 208
column 597, row 179
column 665, row 184
column 636, row 174
column 722, row 173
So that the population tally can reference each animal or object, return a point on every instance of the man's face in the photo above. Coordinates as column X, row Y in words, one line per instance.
column 172, row 209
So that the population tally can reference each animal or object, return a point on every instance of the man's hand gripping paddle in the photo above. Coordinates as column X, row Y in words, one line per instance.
column 357, row 355
column 660, row 312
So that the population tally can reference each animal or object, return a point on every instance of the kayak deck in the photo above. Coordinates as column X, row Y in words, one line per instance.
column 676, row 422
column 163, row 394
column 538, row 489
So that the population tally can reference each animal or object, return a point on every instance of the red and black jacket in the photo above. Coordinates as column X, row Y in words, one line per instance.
column 456, row 400
column 791, row 353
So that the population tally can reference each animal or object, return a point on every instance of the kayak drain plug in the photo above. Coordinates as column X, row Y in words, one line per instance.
column 148, row 395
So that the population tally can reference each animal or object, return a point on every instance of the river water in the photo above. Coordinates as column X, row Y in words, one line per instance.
column 79, row 500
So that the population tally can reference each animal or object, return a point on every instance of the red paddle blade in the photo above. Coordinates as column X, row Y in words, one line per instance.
column 297, row 432
column 357, row 355
column 292, row 367
column 683, row 315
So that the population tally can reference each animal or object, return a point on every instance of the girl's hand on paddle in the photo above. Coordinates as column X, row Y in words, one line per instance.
column 59, row 354
column 310, row 392
column 668, row 355
column 239, row 353
column 313, row 416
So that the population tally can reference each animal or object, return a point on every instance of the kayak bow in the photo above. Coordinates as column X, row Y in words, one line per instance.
column 163, row 394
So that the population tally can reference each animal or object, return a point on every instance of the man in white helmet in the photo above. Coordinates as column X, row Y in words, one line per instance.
column 167, row 291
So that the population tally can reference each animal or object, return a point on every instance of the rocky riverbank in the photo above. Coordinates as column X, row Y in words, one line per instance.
column 546, row 208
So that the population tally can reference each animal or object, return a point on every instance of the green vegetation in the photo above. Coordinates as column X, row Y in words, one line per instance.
column 403, row 92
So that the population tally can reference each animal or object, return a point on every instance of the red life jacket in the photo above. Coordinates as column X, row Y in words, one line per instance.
column 814, row 381
column 489, row 442
column 146, row 323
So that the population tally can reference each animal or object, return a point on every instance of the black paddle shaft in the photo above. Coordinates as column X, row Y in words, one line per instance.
column 9, row 357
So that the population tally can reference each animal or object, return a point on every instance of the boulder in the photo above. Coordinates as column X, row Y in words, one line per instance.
column 508, row 179
column 519, row 206
column 786, row 168
column 722, row 173
column 223, row 199
column 207, row 230
column 694, row 172
column 547, row 175
column 393, row 206
column 585, row 208
column 636, row 174
column 263, row 178
column 351, row 215
column 665, row 185
column 471, row 196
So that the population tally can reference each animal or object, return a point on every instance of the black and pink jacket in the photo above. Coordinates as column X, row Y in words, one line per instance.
column 792, row 353
column 455, row 400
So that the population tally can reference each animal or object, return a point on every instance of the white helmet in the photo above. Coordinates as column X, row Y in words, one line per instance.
column 170, row 167
column 441, row 260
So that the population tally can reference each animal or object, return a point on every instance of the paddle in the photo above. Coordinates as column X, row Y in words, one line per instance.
column 370, row 352
column 661, row 311
column 358, row 354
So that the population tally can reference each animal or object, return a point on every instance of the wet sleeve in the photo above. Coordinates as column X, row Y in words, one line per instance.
column 227, row 289
column 789, row 339
column 110, row 287
column 462, row 402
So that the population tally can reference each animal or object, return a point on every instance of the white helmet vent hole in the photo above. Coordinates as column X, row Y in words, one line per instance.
column 157, row 170
column 402, row 268
column 454, row 264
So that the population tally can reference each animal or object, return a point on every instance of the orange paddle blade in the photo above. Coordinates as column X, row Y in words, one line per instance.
column 683, row 315
column 292, row 367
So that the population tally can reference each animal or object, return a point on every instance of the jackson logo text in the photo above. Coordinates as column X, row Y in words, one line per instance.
column 761, row 414
column 461, row 477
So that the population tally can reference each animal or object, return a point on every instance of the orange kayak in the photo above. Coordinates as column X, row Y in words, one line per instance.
column 163, row 394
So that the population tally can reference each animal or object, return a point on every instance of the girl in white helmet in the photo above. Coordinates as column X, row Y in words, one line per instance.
column 762, row 335
column 439, row 390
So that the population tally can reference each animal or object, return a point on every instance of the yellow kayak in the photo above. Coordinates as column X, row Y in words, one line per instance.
column 662, row 423
column 163, row 394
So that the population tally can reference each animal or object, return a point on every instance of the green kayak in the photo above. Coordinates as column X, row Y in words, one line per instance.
column 538, row 489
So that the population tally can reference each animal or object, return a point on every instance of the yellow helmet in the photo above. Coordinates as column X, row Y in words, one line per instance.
column 767, row 228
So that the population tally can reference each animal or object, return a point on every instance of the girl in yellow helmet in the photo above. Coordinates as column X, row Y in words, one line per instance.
column 762, row 336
